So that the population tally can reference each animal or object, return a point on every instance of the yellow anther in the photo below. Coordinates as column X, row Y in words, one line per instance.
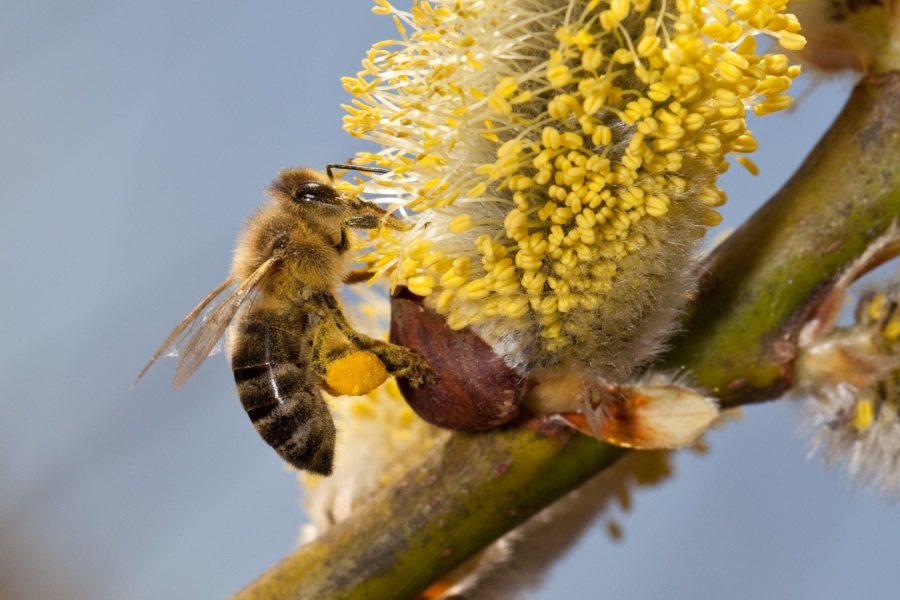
column 708, row 143
column 460, row 223
column 551, row 138
column 791, row 41
column 748, row 164
column 745, row 144
column 891, row 330
column 876, row 306
column 421, row 285
column 559, row 76
column 474, row 290
column 863, row 415
column 419, row 249
column 655, row 206
column 444, row 300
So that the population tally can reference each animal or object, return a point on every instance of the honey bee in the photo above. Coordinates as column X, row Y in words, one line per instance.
column 284, row 323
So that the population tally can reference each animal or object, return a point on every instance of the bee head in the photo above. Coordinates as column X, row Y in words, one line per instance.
column 306, row 189
column 314, row 195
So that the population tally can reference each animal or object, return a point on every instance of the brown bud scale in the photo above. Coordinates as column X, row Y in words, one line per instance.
column 475, row 389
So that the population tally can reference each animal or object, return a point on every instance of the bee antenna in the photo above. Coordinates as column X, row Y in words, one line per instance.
column 349, row 167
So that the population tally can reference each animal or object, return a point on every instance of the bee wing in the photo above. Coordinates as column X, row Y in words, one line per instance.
column 200, row 333
column 184, row 329
column 207, row 337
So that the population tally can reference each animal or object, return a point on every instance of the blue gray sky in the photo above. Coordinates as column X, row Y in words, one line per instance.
column 135, row 138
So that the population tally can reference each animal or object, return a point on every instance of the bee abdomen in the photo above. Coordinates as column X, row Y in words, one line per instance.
column 289, row 413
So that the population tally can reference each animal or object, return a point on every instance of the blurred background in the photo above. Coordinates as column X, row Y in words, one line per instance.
column 136, row 137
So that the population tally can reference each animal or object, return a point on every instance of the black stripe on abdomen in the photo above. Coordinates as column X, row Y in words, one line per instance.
column 289, row 413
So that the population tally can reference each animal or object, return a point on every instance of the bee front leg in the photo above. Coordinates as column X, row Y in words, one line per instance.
column 358, row 276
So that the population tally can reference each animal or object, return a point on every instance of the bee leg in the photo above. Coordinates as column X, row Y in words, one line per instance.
column 402, row 362
column 358, row 276
column 328, row 347
column 398, row 361
column 333, row 342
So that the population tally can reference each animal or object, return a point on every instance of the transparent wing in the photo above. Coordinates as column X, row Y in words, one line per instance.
column 200, row 333
column 210, row 332
column 183, row 331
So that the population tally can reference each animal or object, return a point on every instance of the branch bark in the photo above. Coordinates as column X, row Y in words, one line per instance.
column 739, row 343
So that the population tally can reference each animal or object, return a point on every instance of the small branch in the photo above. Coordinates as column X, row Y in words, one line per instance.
column 740, row 341
column 766, row 279
column 444, row 510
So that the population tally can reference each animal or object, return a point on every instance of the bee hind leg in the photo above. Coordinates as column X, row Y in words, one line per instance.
column 402, row 362
column 397, row 360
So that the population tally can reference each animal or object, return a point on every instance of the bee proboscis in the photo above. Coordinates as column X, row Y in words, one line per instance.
column 285, row 325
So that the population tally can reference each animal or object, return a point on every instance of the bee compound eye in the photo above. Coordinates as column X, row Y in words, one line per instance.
column 315, row 191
